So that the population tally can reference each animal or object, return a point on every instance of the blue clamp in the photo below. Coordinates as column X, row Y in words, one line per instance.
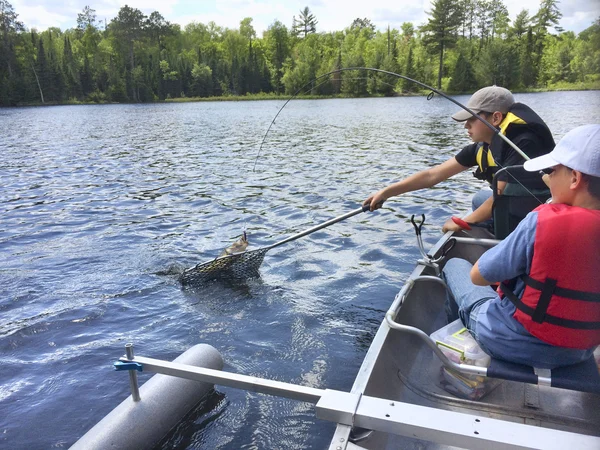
column 121, row 365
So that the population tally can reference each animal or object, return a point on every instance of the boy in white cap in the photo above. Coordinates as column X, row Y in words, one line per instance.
column 548, row 312
column 489, row 152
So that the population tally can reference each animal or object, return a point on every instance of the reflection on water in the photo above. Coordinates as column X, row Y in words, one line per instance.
column 104, row 206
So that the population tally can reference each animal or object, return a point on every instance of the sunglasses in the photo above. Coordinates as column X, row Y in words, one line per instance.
column 548, row 170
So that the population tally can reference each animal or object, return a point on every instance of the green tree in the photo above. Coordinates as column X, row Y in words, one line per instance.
column 128, row 27
column 586, row 58
column 71, row 72
column 158, row 28
column 278, row 51
column 86, row 18
column 251, row 68
column 306, row 23
column 556, row 61
column 467, row 11
column 42, row 70
column 496, row 65
column 303, row 66
column 440, row 32
column 548, row 15
column 463, row 78
column 9, row 29
column 202, row 75
column 521, row 24
column 364, row 24
column 483, row 20
column 527, row 60
column 500, row 19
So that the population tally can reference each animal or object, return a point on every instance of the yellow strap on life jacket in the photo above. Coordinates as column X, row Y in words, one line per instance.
column 510, row 118
column 490, row 159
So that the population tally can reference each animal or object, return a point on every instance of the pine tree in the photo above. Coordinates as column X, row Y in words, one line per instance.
column 9, row 29
column 306, row 23
column 441, row 31
column 72, row 82
column 463, row 77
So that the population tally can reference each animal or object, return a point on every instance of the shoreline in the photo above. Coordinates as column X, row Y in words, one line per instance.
column 281, row 97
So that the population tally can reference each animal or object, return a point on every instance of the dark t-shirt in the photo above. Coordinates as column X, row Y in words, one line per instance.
column 506, row 156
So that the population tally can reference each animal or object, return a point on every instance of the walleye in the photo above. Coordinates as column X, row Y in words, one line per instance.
column 238, row 246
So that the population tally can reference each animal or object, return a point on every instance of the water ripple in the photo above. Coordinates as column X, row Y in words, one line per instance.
column 102, row 207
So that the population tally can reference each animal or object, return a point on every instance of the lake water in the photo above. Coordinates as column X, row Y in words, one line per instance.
column 102, row 206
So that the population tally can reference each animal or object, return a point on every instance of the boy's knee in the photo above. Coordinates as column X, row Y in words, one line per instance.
column 457, row 265
column 480, row 198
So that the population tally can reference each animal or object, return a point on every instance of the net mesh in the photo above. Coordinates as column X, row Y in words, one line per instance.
column 241, row 266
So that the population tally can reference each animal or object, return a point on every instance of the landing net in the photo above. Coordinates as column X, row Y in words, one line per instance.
column 239, row 265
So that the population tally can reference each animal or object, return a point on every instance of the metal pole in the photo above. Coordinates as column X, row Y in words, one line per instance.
column 477, row 241
column 420, row 422
column 133, row 381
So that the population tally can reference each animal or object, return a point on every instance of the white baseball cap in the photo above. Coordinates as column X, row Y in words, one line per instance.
column 579, row 150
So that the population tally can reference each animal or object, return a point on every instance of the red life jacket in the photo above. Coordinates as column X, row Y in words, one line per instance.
column 561, row 301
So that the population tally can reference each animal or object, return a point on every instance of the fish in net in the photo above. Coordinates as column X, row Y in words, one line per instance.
column 241, row 266
column 235, row 262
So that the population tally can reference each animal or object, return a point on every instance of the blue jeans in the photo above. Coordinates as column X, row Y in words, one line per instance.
column 464, row 299
column 478, row 200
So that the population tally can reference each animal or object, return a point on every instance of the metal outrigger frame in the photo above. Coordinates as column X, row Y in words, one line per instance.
column 355, row 409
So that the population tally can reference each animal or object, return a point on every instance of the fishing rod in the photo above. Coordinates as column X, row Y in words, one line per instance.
column 397, row 75
column 404, row 77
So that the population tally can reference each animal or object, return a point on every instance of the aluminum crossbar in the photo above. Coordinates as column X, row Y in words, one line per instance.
column 254, row 384
column 421, row 422
column 477, row 241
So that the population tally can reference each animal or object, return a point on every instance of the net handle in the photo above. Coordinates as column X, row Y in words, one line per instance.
column 320, row 226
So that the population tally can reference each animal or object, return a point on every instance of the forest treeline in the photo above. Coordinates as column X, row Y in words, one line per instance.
column 465, row 44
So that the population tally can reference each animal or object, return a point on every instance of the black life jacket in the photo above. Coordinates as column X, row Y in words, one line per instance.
column 519, row 123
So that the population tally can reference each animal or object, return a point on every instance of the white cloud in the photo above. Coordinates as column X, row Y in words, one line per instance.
column 331, row 14
column 39, row 17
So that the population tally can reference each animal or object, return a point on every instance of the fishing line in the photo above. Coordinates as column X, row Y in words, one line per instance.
column 429, row 97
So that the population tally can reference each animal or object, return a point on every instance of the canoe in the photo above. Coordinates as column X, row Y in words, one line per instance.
column 401, row 367
column 408, row 394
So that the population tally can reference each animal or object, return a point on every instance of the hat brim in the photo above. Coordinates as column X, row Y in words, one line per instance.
column 463, row 115
column 539, row 163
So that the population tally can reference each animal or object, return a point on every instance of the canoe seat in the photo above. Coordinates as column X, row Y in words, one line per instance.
column 516, row 201
column 582, row 377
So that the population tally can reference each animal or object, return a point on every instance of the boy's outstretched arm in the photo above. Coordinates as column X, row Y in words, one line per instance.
column 420, row 180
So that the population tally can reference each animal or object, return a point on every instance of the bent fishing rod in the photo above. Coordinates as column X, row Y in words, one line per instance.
column 397, row 75
column 404, row 77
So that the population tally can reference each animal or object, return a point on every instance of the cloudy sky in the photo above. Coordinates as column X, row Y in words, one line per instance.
column 331, row 14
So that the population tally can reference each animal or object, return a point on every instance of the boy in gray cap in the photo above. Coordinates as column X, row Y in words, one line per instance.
column 488, row 152
column 548, row 314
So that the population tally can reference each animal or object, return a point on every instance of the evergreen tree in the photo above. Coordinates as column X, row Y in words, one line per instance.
column 72, row 81
column 128, row 27
column 440, row 33
column 521, row 24
column 306, row 23
column 463, row 78
column 484, row 20
column 9, row 29
column 86, row 18
column 143, row 59
column 278, row 51
column 548, row 15
column 42, row 70
column 526, row 58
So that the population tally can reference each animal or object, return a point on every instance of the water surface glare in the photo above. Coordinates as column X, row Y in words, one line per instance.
column 102, row 206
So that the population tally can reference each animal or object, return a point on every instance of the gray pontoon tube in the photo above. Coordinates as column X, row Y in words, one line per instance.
column 164, row 401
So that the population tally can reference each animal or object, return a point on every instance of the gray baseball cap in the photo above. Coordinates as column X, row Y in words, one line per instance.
column 488, row 99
